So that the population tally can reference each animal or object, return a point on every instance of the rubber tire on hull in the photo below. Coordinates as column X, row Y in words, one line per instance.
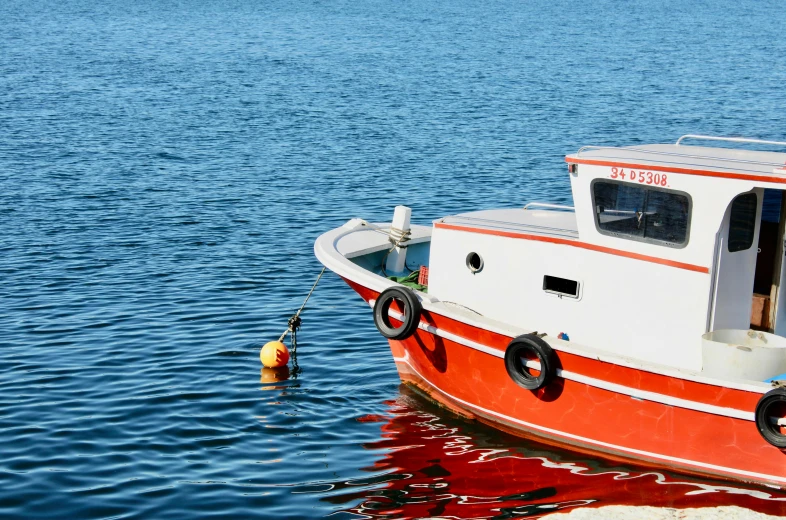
column 411, row 310
column 533, row 347
column 769, row 431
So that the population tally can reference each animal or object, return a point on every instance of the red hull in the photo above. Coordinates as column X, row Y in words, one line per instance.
column 586, row 417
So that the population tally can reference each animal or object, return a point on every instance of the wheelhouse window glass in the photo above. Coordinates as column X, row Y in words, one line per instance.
column 642, row 213
column 742, row 224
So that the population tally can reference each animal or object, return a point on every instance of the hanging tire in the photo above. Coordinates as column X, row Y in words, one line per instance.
column 771, row 408
column 530, row 348
column 410, row 311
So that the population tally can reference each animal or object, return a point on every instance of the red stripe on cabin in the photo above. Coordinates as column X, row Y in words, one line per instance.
column 686, row 171
column 575, row 243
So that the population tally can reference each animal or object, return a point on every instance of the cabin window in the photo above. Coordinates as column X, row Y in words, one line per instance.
column 642, row 213
column 561, row 286
column 742, row 222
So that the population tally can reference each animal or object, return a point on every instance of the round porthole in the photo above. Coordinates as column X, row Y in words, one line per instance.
column 474, row 262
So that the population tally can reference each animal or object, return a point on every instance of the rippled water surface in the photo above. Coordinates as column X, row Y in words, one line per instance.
column 166, row 166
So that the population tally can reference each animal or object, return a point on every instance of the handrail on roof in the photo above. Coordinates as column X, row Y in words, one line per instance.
column 594, row 147
column 544, row 205
column 728, row 139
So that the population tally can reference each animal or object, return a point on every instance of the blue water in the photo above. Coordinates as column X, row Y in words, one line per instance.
column 166, row 166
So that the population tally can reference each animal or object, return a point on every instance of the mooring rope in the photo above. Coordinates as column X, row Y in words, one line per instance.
column 295, row 321
column 401, row 236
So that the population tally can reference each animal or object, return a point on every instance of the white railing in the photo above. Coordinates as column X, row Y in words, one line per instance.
column 729, row 139
column 544, row 205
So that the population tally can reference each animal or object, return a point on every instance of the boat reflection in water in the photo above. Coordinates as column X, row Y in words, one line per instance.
column 434, row 466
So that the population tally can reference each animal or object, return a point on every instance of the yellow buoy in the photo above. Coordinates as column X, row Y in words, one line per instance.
column 274, row 354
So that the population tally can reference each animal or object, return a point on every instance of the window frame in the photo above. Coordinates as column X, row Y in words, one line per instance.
column 633, row 238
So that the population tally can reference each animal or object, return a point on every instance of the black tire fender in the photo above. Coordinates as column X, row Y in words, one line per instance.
column 411, row 311
column 771, row 406
column 529, row 347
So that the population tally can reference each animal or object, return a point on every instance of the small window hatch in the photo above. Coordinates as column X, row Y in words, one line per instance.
column 561, row 286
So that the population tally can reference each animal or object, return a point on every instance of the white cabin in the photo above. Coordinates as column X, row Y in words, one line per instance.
column 662, row 247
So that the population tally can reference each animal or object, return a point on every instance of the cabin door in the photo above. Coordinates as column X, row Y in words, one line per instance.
column 735, row 263
column 750, row 254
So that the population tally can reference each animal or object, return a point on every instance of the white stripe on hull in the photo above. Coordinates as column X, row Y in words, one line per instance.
column 590, row 381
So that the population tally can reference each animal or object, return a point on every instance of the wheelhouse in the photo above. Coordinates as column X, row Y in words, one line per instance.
column 665, row 244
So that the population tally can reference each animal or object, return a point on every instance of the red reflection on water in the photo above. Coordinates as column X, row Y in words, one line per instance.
column 373, row 418
column 438, row 467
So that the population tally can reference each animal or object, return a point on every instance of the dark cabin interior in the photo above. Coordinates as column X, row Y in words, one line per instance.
column 766, row 261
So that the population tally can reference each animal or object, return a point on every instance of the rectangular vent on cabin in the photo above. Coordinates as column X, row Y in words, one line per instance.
column 561, row 286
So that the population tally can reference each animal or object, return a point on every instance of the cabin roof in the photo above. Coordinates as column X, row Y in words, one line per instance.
column 699, row 158
column 556, row 224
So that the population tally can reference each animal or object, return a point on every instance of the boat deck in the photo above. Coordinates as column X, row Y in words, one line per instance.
column 374, row 238
column 551, row 221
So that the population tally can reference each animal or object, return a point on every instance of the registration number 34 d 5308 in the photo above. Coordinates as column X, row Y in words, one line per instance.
column 642, row 177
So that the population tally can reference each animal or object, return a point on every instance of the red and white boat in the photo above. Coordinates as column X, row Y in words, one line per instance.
column 646, row 323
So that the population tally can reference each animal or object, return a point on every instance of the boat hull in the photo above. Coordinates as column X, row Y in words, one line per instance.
column 596, row 408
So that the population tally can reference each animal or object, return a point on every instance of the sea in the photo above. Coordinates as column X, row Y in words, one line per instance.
column 166, row 166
